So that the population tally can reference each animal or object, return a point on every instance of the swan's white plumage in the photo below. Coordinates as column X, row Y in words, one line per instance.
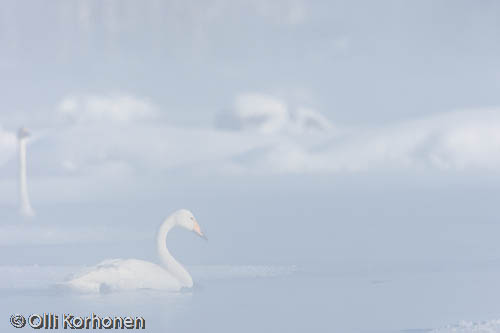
column 131, row 274
column 124, row 274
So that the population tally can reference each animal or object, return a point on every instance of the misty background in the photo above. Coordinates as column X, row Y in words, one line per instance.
column 351, row 139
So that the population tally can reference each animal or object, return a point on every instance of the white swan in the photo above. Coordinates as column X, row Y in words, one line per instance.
column 130, row 274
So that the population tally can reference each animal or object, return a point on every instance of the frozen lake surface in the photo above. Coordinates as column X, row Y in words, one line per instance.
column 277, row 298
column 397, row 265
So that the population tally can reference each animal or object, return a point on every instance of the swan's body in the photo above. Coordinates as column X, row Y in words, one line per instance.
column 130, row 274
column 125, row 274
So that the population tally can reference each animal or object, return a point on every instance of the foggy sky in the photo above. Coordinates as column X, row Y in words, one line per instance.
column 118, row 90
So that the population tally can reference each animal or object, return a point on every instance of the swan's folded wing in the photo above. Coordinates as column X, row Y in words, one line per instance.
column 119, row 274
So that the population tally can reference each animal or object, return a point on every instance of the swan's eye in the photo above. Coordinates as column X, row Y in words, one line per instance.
column 192, row 218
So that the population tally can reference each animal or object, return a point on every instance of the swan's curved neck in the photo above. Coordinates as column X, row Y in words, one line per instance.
column 172, row 265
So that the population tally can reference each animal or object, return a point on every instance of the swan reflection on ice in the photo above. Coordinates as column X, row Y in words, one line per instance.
column 132, row 274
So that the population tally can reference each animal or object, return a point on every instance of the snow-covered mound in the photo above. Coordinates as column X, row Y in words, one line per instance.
column 270, row 115
column 491, row 326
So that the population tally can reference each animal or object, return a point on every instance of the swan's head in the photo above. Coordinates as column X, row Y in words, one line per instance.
column 184, row 218
column 23, row 133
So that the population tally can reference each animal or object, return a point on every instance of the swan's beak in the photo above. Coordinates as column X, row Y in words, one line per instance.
column 198, row 231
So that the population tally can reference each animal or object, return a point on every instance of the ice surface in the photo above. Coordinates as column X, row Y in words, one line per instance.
column 350, row 260
column 231, row 297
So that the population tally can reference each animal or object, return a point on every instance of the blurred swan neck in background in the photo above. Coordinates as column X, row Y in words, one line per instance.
column 25, row 206
column 172, row 265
